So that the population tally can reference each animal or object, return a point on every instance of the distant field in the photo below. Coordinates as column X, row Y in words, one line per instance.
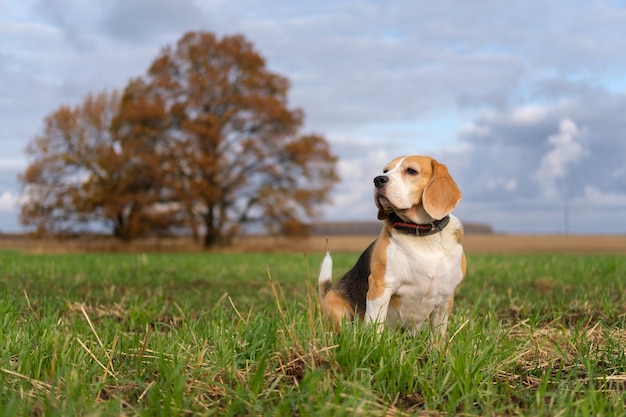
column 473, row 243
column 478, row 243
column 183, row 334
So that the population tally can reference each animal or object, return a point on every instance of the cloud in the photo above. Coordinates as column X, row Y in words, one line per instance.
column 8, row 201
column 565, row 151
column 529, row 114
column 353, row 196
column 507, row 184
column 120, row 18
column 569, row 152
column 601, row 198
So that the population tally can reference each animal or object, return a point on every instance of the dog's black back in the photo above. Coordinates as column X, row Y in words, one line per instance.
column 354, row 284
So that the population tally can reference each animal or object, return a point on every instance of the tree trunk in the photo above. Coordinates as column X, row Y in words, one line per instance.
column 212, row 236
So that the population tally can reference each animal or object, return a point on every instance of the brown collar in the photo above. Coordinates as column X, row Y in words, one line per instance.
column 419, row 229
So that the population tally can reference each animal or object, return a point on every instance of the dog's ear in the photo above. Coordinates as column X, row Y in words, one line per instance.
column 441, row 194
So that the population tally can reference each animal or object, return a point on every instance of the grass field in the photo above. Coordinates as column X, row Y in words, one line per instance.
column 239, row 334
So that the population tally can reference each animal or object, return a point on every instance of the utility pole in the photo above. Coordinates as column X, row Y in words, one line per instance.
column 566, row 217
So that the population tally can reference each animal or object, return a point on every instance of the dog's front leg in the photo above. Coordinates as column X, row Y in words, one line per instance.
column 377, row 303
column 439, row 319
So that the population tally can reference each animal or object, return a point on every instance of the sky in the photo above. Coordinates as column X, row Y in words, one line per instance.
column 524, row 101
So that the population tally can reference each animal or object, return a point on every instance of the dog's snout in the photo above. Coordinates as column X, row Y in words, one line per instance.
column 380, row 180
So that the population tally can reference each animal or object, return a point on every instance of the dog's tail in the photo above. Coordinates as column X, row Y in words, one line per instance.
column 324, row 281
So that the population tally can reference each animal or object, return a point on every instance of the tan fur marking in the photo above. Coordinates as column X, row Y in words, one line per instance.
column 336, row 307
column 378, row 266
column 323, row 288
column 395, row 301
column 463, row 269
column 458, row 234
column 463, row 264
column 450, row 305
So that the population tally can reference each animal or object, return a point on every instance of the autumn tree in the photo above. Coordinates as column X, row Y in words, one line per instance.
column 97, row 164
column 205, row 139
column 236, row 154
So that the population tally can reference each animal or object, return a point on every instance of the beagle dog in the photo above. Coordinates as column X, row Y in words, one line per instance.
column 409, row 274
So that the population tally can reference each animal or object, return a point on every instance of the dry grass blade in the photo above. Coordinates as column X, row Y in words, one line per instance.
column 82, row 309
column 30, row 307
column 230, row 300
column 109, row 365
column 302, row 358
column 106, row 353
column 144, row 344
column 143, row 394
column 458, row 330
column 106, row 370
column 35, row 383
column 276, row 296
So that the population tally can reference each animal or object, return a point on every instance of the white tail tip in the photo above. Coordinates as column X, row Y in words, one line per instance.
column 326, row 269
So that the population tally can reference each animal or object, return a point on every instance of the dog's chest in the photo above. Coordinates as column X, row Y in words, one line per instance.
column 422, row 276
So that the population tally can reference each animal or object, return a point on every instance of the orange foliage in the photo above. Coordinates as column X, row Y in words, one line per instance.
column 205, row 139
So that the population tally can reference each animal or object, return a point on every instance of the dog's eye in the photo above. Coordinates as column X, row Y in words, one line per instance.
column 385, row 171
column 411, row 171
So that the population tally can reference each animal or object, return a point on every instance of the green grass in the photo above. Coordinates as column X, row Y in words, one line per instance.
column 240, row 334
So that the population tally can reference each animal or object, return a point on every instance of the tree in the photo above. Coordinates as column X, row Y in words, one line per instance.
column 96, row 164
column 236, row 155
column 54, row 181
column 132, row 196
column 205, row 139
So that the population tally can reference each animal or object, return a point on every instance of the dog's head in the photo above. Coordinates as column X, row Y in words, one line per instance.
column 417, row 188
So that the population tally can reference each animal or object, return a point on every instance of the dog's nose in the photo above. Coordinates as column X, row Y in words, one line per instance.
column 380, row 180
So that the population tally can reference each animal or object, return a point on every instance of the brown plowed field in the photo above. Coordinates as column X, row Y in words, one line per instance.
column 478, row 243
column 472, row 243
